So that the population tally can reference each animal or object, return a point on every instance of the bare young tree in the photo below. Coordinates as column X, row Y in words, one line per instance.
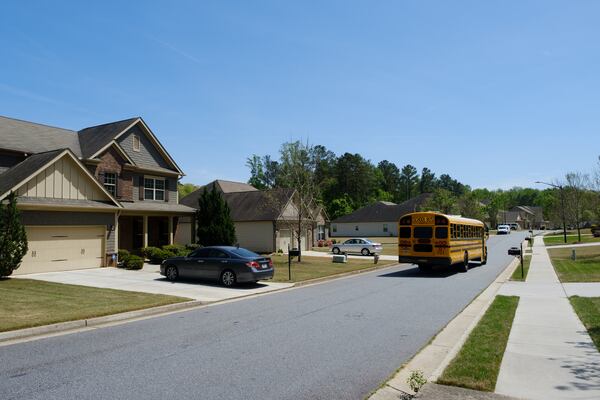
column 575, row 189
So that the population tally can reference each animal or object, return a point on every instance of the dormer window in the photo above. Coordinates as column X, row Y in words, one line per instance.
column 136, row 143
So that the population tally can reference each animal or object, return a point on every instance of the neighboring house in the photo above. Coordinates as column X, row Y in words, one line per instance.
column 84, row 194
column 265, row 220
column 377, row 219
column 526, row 217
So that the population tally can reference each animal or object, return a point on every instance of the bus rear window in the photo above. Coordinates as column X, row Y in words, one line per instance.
column 405, row 232
column 441, row 232
column 423, row 232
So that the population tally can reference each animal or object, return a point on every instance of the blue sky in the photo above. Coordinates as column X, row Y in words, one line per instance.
column 495, row 93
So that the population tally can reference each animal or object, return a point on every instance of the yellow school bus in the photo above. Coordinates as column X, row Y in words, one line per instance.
column 431, row 238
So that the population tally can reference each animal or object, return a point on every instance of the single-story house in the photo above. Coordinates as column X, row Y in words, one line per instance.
column 526, row 217
column 265, row 220
column 85, row 194
column 377, row 219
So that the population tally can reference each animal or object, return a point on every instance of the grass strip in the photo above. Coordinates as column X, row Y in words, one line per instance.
column 588, row 310
column 585, row 267
column 25, row 303
column 516, row 276
column 478, row 363
column 318, row 267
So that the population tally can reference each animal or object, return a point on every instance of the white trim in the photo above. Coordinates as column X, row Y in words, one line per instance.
column 78, row 162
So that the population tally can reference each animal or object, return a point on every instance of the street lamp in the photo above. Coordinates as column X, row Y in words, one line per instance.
column 562, row 203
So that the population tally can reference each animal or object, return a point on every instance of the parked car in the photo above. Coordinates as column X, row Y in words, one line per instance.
column 513, row 227
column 226, row 264
column 503, row 230
column 358, row 245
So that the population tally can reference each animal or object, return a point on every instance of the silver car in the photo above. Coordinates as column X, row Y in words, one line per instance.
column 358, row 245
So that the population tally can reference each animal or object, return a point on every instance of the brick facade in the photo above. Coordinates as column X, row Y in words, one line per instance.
column 112, row 162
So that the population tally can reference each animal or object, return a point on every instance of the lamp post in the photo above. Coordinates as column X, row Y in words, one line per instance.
column 562, row 204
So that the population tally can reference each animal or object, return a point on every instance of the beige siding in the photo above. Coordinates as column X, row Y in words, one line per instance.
column 365, row 229
column 255, row 236
column 62, row 180
column 183, row 234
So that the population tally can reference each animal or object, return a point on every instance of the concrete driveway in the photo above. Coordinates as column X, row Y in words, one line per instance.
column 149, row 280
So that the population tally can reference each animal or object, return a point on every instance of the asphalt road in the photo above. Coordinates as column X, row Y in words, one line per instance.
column 336, row 340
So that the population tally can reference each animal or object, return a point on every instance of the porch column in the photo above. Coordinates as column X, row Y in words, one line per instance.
column 170, row 230
column 145, row 230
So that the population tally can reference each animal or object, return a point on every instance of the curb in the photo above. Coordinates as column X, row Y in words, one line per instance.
column 29, row 333
column 436, row 355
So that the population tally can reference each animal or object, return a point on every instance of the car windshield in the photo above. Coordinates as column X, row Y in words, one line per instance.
column 244, row 253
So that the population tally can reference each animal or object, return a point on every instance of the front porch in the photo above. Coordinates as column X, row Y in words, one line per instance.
column 138, row 231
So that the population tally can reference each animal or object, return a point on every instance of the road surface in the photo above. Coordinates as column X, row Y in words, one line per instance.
column 336, row 340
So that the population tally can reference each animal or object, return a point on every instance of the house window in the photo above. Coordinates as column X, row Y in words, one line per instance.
column 334, row 228
column 154, row 189
column 385, row 227
column 110, row 183
column 136, row 143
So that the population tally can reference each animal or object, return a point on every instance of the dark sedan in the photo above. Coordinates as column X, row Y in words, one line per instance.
column 225, row 264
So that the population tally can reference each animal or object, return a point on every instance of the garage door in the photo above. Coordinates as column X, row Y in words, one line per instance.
column 62, row 248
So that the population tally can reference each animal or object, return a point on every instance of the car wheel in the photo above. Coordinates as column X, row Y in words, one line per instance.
column 336, row 250
column 365, row 252
column 171, row 273
column 465, row 263
column 228, row 278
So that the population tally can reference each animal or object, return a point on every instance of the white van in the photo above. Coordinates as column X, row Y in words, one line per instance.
column 503, row 230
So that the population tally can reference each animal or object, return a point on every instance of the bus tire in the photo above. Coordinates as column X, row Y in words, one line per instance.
column 465, row 263
column 484, row 258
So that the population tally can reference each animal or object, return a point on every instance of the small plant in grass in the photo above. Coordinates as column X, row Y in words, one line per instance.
column 416, row 380
column 134, row 262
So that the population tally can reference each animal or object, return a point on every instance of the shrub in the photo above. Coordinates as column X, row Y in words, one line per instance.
column 133, row 262
column 333, row 241
column 279, row 251
column 122, row 256
column 147, row 252
column 177, row 249
column 13, row 238
column 329, row 243
column 320, row 243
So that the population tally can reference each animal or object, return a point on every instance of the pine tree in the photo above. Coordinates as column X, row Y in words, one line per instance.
column 213, row 218
column 13, row 239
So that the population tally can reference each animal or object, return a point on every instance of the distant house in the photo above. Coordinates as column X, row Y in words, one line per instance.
column 526, row 217
column 265, row 220
column 377, row 219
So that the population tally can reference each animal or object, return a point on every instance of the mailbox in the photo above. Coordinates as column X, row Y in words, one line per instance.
column 294, row 253
column 529, row 238
column 514, row 251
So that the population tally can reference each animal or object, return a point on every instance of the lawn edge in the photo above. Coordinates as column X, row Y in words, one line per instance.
column 397, row 382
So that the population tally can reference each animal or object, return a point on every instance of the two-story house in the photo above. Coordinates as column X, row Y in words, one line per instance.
column 84, row 194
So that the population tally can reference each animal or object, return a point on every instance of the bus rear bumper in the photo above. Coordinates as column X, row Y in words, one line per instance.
column 425, row 260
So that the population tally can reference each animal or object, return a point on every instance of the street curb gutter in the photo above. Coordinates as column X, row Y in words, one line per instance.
column 433, row 359
column 65, row 327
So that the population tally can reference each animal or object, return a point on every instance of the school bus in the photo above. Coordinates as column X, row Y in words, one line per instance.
column 432, row 238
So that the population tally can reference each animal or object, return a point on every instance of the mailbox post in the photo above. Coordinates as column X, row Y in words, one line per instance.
column 518, row 252
column 291, row 253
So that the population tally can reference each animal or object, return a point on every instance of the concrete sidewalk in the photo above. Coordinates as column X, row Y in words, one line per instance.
column 549, row 354
column 563, row 246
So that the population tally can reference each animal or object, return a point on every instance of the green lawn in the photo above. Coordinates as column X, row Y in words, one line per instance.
column 588, row 310
column 586, row 267
column 555, row 240
column 25, row 303
column 317, row 267
column 477, row 364
column 516, row 276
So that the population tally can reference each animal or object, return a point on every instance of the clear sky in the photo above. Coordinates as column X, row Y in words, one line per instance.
column 495, row 93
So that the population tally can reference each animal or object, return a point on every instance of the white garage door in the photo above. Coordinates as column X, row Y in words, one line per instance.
column 61, row 248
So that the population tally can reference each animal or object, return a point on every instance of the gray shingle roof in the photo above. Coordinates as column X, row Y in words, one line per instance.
column 96, row 137
column 22, row 170
column 66, row 203
column 249, row 205
column 191, row 200
column 28, row 137
column 157, row 206
column 383, row 211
